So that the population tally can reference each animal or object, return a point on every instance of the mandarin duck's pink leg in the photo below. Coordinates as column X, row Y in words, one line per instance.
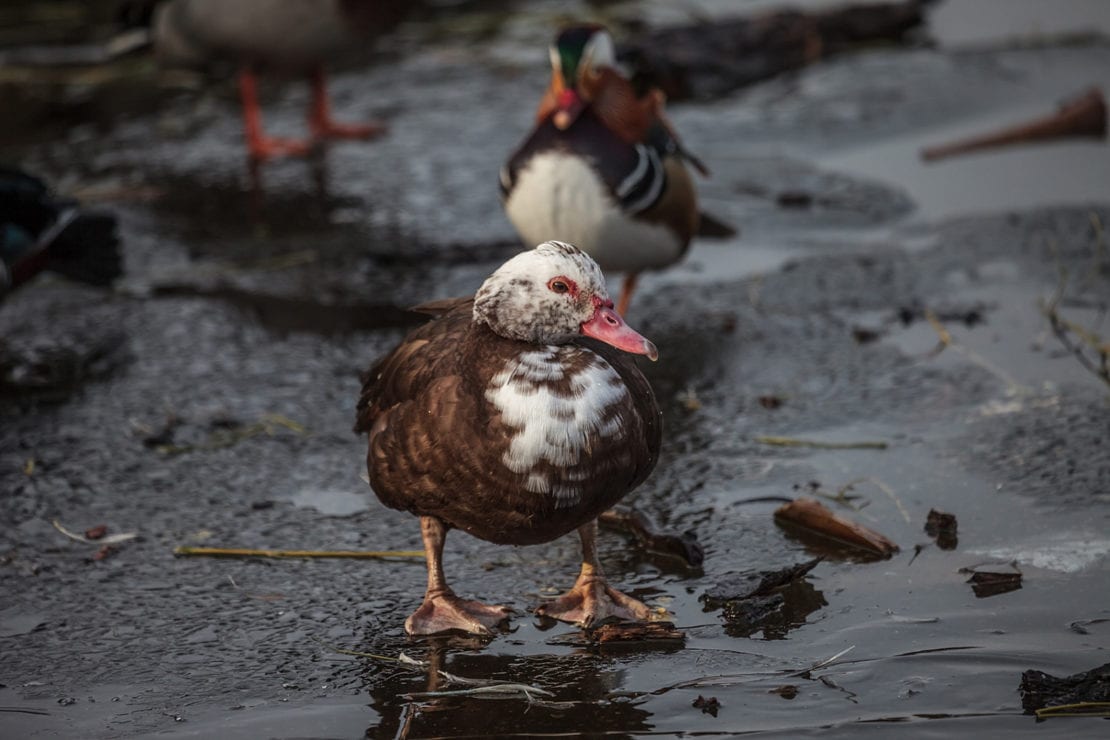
column 592, row 600
column 320, row 122
column 259, row 145
column 442, row 610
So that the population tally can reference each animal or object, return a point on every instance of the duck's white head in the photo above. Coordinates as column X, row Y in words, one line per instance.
column 551, row 294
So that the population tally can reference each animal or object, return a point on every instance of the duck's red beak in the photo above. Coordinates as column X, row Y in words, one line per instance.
column 570, row 107
column 607, row 326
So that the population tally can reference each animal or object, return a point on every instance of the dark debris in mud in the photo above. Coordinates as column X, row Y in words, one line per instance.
column 709, row 705
column 739, row 586
column 993, row 580
column 773, row 602
column 942, row 527
column 1040, row 690
column 683, row 547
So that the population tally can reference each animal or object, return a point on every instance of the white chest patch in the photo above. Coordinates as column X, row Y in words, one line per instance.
column 558, row 196
column 555, row 427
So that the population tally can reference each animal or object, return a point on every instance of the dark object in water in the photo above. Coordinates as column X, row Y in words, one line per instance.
column 42, row 231
column 863, row 335
column 993, row 582
column 1082, row 116
column 773, row 602
column 708, row 706
column 786, row 691
column 770, row 402
column 812, row 517
column 684, row 547
column 709, row 59
column 1040, row 690
column 798, row 199
column 739, row 586
column 941, row 526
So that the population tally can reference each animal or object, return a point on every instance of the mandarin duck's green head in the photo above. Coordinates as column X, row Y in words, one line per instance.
column 578, row 57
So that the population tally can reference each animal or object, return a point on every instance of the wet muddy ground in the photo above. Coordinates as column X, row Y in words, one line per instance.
column 208, row 400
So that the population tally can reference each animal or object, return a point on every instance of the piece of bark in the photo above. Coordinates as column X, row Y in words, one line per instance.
column 684, row 547
column 814, row 517
column 1082, row 116
column 635, row 632
column 1040, row 690
column 992, row 580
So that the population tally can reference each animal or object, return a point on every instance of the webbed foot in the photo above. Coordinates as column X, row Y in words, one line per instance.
column 593, row 601
column 444, row 612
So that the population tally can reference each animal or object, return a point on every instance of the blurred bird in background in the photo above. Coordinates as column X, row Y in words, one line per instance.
column 603, row 168
column 284, row 37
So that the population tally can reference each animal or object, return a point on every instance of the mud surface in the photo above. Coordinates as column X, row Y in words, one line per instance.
column 208, row 400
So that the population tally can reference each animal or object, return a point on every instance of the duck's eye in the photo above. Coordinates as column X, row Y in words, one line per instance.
column 562, row 285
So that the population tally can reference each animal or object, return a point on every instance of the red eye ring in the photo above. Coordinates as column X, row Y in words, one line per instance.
column 562, row 285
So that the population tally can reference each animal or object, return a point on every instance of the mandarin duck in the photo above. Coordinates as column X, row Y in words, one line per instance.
column 602, row 168
column 284, row 36
column 43, row 231
column 516, row 416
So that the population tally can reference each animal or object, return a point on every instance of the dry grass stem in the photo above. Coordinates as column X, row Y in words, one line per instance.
column 1079, row 709
column 948, row 341
column 237, row 552
column 112, row 539
column 817, row 444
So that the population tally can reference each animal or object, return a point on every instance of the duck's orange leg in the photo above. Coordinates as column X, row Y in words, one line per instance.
column 442, row 610
column 320, row 122
column 627, row 287
column 260, row 146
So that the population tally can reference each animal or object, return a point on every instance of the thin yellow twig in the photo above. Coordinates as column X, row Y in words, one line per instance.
column 1079, row 709
column 239, row 552
column 795, row 442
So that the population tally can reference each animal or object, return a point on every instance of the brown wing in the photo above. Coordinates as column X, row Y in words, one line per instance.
column 415, row 363
column 443, row 305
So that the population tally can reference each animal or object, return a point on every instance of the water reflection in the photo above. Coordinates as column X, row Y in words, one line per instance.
column 581, row 686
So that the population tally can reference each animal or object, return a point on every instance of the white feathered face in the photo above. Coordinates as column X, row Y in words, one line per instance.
column 551, row 294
